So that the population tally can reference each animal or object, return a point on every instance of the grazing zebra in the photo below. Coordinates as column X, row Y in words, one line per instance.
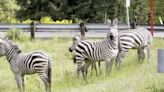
column 140, row 39
column 97, row 51
column 76, row 40
column 23, row 64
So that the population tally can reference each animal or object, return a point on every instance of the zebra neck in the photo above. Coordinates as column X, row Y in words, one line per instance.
column 11, row 53
column 112, row 44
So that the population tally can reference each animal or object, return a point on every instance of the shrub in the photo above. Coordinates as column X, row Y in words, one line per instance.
column 17, row 34
column 28, row 21
column 49, row 20
column 78, row 21
column 46, row 20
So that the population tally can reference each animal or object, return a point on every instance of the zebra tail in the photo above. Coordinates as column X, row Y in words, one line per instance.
column 49, row 71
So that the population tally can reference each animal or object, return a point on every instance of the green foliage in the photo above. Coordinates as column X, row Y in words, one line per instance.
column 140, row 10
column 158, row 10
column 49, row 20
column 17, row 34
column 28, row 21
column 7, row 11
column 88, row 10
column 78, row 21
column 46, row 20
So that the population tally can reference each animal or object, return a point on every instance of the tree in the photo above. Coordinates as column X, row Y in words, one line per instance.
column 7, row 11
column 140, row 10
column 158, row 10
column 87, row 10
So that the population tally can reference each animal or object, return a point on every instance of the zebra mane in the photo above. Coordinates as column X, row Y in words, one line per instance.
column 13, row 45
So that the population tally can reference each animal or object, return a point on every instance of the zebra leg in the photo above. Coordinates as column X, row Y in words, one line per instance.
column 94, row 63
column 99, row 66
column 108, row 64
column 84, row 72
column 18, row 78
column 148, row 53
column 91, row 69
column 119, row 58
column 139, row 54
column 44, row 77
column 143, row 54
column 95, row 68
column 79, row 65
column 84, row 69
column 23, row 83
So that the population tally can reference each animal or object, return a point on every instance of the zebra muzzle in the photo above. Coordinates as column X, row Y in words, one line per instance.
column 111, row 37
column 70, row 49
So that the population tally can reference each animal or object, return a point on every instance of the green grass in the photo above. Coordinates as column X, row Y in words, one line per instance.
column 133, row 76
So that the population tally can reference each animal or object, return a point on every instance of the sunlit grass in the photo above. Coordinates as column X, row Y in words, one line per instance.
column 133, row 76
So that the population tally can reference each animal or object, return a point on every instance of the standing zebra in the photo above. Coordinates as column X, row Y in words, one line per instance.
column 140, row 39
column 23, row 64
column 77, row 39
column 97, row 51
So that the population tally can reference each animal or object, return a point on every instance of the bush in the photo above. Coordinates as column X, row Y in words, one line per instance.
column 28, row 21
column 17, row 34
column 46, row 20
column 78, row 21
column 49, row 20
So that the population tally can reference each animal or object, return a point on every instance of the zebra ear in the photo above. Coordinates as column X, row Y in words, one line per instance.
column 114, row 23
column 76, row 38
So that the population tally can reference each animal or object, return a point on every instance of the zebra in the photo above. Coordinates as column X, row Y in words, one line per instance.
column 139, row 38
column 23, row 64
column 76, row 39
column 105, row 50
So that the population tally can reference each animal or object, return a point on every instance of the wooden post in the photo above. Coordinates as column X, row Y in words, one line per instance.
column 33, row 29
column 83, row 29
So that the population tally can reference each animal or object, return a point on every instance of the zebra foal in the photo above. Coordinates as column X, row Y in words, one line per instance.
column 77, row 39
column 23, row 64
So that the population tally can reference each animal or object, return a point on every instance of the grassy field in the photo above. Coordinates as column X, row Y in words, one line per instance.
column 133, row 76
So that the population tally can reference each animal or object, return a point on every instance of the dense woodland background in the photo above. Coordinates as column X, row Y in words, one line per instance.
column 90, row 11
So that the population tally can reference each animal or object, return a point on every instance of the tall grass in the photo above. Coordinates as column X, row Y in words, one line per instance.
column 133, row 76
column 17, row 35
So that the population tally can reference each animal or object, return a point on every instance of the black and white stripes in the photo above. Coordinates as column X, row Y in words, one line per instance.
column 140, row 39
column 87, row 52
column 22, row 64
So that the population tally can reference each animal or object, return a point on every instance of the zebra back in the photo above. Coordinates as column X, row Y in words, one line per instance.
column 135, row 38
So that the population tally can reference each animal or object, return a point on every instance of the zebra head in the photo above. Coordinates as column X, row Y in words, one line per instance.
column 113, row 33
column 83, row 27
column 76, row 40
column 7, row 44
